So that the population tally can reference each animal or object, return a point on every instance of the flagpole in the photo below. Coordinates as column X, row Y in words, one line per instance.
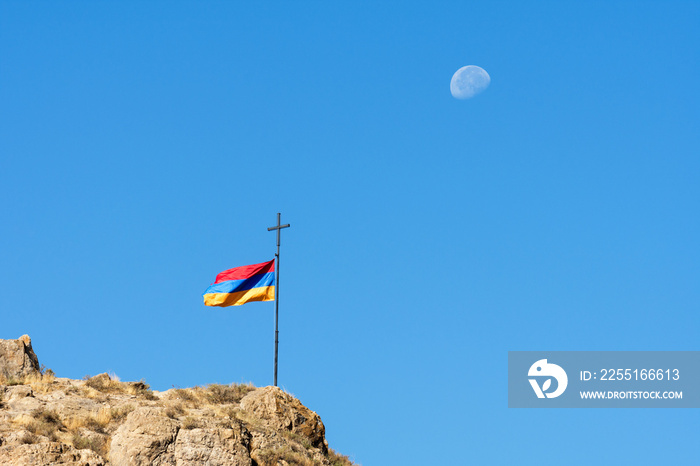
column 278, row 227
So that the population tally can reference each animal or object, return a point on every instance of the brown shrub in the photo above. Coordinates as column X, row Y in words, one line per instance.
column 45, row 423
column 184, row 394
column 106, row 383
column 47, row 374
column 175, row 410
column 28, row 438
column 141, row 389
column 190, row 423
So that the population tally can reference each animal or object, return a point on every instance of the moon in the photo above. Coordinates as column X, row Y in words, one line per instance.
column 469, row 81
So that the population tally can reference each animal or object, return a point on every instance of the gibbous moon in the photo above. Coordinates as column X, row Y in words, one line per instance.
column 468, row 81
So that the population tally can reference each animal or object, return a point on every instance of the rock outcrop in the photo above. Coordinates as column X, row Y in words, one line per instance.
column 101, row 421
column 48, row 453
column 17, row 359
column 149, row 437
column 144, row 438
column 280, row 411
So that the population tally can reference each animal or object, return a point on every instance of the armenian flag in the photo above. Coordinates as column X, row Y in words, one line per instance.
column 241, row 285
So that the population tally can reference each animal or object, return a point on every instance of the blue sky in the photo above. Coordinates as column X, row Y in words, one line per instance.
column 147, row 146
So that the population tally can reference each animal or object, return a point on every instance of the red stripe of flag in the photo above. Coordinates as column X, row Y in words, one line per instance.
column 246, row 271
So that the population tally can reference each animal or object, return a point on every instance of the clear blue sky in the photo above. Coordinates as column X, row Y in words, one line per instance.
column 147, row 146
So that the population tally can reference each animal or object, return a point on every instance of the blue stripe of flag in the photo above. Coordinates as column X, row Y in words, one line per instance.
column 231, row 286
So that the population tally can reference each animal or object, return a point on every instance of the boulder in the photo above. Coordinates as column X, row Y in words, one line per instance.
column 146, row 438
column 18, row 392
column 47, row 453
column 212, row 447
column 280, row 411
column 17, row 359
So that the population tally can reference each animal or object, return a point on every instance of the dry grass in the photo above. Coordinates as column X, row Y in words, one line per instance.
column 11, row 381
column 186, row 397
column 91, row 431
column 87, row 431
column 337, row 459
column 28, row 438
column 96, row 443
column 140, row 389
column 119, row 413
column 175, row 410
column 247, row 418
column 47, row 417
column 229, row 413
column 272, row 457
column 95, row 423
column 110, row 384
column 41, row 423
column 43, row 383
column 46, row 372
column 190, row 423
column 223, row 394
column 101, row 421
column 37, row 378
column 104, row 383
column 214, row 394
column 304, row 441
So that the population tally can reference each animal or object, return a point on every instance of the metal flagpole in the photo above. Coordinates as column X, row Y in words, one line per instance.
column 278, row 227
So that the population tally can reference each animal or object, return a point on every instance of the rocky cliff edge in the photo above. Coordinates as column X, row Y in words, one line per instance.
column 100, row 420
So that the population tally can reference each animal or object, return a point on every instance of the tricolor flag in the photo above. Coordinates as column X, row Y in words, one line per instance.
column 241, row 285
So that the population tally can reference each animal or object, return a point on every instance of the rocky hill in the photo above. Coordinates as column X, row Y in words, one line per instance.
column 100, row 420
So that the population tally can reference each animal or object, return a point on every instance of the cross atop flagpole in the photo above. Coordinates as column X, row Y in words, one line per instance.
column 278, row 227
